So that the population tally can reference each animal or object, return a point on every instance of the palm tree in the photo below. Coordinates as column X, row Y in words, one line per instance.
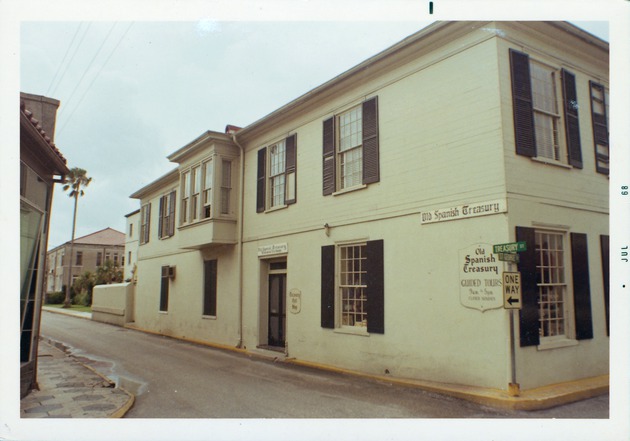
column 75, row 181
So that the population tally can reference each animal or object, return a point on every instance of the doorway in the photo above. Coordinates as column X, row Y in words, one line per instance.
column 276, row 335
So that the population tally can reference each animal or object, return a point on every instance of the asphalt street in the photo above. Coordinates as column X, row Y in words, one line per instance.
column 176, row 379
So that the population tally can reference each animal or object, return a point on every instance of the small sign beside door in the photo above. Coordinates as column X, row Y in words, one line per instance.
column 295, row 296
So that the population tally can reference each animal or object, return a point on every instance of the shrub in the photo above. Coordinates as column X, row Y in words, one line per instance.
column 55, row 298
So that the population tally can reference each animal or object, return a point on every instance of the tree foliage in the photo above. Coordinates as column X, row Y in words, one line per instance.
column 108, row 273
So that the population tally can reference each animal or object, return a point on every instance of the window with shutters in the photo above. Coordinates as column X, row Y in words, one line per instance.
column 545, row 106
column 352, row 287
column 351, row 149
column 145, row 224
column 166, row 227
column 555, row 288
column 276, row 186
column 599, row 114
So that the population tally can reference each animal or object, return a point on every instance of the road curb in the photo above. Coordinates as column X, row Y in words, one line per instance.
column 118, row 413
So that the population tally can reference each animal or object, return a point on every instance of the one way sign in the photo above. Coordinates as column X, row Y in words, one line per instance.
column 512, row 290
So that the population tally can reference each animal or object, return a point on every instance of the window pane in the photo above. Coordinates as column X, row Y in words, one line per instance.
column 352, row 285
column 551, row 283
column 350, row 129
column 543, row 88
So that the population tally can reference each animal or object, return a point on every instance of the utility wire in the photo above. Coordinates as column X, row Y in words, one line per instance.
column 64, row 57
column 72, row 58
column 69, row 100
column 96, row 76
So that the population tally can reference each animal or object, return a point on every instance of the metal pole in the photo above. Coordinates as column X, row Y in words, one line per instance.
column 514, row 387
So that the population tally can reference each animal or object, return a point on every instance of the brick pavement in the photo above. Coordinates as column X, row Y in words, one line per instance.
column 70, row 389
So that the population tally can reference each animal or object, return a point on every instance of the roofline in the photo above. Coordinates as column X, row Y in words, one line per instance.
column 132, row 213
column 344, row 76
column 205, row 136
column 138, row 194
column 438, row 26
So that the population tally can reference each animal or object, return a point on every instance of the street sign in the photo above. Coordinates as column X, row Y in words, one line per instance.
column 512, row 247
column 512, row 290
column 508, row 257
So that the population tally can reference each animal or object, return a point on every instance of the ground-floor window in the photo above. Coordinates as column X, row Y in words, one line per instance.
column 210, row 287
column 353, row 286
column 164, row 286
column 556, row 287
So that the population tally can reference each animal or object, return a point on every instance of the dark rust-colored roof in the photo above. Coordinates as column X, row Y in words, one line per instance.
column 35, row 123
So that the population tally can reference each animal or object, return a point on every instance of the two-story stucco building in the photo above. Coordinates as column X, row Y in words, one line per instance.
column 354, row 226
column 89, row 252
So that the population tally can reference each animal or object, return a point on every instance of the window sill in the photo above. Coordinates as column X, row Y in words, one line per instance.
column 548, row 161
column 276, row 208
column 555, row 344
column 163, row 312
column 349, row 190
column 349, row 330
column 208, row 317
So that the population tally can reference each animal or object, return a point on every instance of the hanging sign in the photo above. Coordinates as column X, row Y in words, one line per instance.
column 479, row 278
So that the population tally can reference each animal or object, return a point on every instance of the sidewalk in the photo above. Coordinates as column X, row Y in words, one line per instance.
column 69, row 389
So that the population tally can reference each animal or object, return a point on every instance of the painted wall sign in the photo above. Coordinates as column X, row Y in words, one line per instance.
column 480, row 278
column 295, row 296
column 271, row 250
column 464, row 211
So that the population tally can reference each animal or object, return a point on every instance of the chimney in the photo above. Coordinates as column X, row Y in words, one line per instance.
column 43, row 109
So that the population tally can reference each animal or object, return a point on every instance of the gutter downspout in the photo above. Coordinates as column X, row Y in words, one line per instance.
column 240, row 243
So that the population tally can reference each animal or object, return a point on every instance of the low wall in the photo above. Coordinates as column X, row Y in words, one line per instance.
column 113, row 303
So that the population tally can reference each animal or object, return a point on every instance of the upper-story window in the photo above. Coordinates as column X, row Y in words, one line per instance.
column 185, row 197
column 351, row 148
column 277, row 173
column 199, row 199
column 546, row 125
column 599, row 114
column 145, row 223
column 207, row 189
column 226, row 185
column 166, row 225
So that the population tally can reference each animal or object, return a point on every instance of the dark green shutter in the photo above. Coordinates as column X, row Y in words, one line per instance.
column 328, row 287
column 210, row 287
column 328, row 177
column 164, row 289
column 571, row 121
column 291, row 165
column 605, row 249
column 161, row 217
column 171, row 215
column 581, row 287
column 371, row 168
column 375, row 287
column 528, row 315
column 261, row 177
column 522, row 102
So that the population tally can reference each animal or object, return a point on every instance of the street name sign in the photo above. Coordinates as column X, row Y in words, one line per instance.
column 512, row 247
column 512, row 290
column 509, row 257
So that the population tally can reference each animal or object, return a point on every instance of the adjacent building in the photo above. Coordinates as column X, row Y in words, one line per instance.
column 356, row 226
column 41, row 166
column 89, row 252
column 131, row 244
